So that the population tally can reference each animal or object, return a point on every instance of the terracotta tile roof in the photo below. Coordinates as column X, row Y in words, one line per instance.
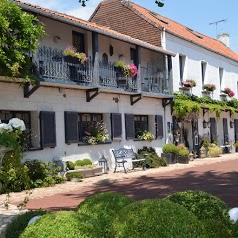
column 182, row 31
column 91, row 26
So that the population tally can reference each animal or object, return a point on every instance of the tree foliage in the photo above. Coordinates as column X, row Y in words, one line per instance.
column 19, row 34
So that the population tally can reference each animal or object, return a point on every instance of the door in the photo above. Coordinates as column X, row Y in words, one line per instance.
column 236, row 129
column 225, row 131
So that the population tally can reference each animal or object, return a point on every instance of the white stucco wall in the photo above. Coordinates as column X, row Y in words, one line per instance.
column 194, row 56
column 60, row 100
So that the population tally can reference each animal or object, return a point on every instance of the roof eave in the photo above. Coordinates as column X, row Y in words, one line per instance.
column 91, row 28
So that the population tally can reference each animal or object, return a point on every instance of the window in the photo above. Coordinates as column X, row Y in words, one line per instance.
column 221, row 71
column 140, row 124
column 78, row 41
column 181, row 67
column 105, row 58
column 203, row 71
column 85, row 121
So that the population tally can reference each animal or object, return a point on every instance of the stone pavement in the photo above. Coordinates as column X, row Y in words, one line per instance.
column 218, row 176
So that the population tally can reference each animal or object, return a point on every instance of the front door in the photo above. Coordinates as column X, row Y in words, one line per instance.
column 236, row 129
column 225, row 131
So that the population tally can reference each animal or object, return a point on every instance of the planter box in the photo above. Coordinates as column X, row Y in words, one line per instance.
column 183, row 159
column 72, row 60
column 88, row 172
column 171, row 158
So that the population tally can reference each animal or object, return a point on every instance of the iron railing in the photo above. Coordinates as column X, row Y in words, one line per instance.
column 52, row 65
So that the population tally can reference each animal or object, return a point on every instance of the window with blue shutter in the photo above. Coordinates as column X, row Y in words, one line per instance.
column 116, row 124
column 48, row 129
column 71, row 127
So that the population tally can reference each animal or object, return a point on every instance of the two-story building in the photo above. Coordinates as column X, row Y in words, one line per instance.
column 71, row 97
column 198, row 57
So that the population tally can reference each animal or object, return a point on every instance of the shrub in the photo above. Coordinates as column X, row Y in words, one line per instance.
column 13, row 174
column 214, row 151
column 202, row 204
column 43, row 174
column 156, row 218
column 74, row 175
column 58, row 224
column 170, row 148
column 97, row 212
column 83, row 162
column 183, row 152
column 216, row 229
column 19, row 223
column 235, row 230
column 152, row 158
column 70, row 165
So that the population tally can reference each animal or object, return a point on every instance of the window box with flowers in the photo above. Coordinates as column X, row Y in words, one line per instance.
column 146, row 135
column 209, row 87
column 10, row 136
column 72, row 56
column 189, row 83
column 96, row 134
column 129, row 71
column 228, row 92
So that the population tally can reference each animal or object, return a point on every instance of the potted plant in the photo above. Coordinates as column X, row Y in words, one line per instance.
column 189, row 83
column 209, row 87
column 236, row 146
column 72, row 56
column 169, row 152
column 183, row 154
column 129, row 71
column 228, row 92
column 146, row 135
column 74, row 176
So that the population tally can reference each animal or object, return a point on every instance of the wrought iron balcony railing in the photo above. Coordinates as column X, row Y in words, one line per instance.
column 52, row 65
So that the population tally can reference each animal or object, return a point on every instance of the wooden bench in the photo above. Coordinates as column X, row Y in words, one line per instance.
column 121, row 155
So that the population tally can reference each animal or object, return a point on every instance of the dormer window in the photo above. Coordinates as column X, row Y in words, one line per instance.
column 157, row 16
column 197, row 34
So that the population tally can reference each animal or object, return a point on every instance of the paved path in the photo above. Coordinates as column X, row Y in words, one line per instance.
column 218, row 176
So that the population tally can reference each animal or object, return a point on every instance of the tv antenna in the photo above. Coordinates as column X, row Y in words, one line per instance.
column 216, row 23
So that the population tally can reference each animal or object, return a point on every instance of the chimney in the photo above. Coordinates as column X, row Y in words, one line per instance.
column 224, row 38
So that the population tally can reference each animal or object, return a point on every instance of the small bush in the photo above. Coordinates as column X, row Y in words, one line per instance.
column 70, row 165
column 202, row 204
column 19, row 223
column 43, row 174
column 183, row 152
column 74, row 175
column 170, row 148
column 152, row 158
column 58, row 224
column 216, row 229
column 214, row 151
column 156, row 218
column 13, row 174
column 235, row 230
column 96, row 213
column 83, row 162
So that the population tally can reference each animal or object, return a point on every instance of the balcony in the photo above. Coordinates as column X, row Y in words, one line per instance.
column 52, row 66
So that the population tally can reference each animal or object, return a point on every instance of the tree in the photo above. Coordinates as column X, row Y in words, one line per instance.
column 19, row 34
column 159, row 3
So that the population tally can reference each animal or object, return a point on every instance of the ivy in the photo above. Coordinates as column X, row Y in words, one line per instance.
column 185, row 105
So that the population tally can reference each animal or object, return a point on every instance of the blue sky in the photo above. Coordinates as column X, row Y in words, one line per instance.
column 196, row 14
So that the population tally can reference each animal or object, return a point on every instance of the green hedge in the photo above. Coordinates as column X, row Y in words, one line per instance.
column 202, row 204
column 156, row 218
column 55, row 225
column 97, row 212
column 19, row 223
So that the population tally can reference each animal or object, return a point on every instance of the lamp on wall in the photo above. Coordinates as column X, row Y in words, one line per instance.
column 57, row 39
column 206, row 124
column 231, row 124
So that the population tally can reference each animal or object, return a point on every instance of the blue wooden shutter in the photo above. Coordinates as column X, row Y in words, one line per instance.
column 116, row 124
column 71, row 127
column 48, row 129
column 130, row 126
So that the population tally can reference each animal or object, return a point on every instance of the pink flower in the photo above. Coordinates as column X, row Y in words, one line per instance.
column 87, row 133
column 133, row 70
column 231, row 94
